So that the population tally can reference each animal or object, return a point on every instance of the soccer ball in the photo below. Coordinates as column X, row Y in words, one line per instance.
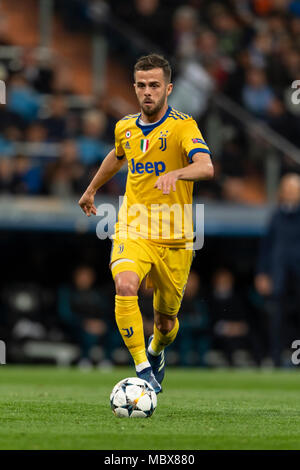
column 133, row 398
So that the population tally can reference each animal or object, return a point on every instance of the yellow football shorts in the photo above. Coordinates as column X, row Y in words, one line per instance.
column 166, row 268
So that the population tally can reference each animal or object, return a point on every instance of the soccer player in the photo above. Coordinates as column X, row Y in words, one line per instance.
column 166, row 153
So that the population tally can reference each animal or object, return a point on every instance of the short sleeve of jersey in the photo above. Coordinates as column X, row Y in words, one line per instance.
column 118, row 146
column 191, row 139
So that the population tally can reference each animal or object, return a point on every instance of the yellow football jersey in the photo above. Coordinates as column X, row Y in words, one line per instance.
column 153, row 150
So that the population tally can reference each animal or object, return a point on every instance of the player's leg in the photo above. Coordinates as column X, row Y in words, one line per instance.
column 130, row 324
column 127, row 273
column 128, row 315
column 169, row 277
column 165, row 331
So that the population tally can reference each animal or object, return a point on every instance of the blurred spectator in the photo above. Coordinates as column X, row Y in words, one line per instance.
column 260, row 49
column 230, row 325
column 277, row 27
column 22, row 99
column 9, row 137
column 25, row 307
column 36, row 133
column 279, row 260
column 4, row 29
column 236, row 77
column 227, row 29
column 192, row 89
column 27, row 176
column 66, row 176
column 6, row 174
column 233, row 189
column 194, row 338
column 294, row 8
column 63, row 79
column 105, row 105
column 56, row 121
column 185, row 28
column 208, row 53
column 149, row 18
column 262, row 7
column 231, row 160
column 244, row 11
column 83, row 309
column 207, row 46
column 283, row 69
column 295, row 30
column 36, row 66
column 291, row 65
column 91, row 148
column 257, row 94
column 283, row 121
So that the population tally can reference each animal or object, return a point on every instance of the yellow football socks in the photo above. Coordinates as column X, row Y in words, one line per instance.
column 160, row 341
column 130, row 324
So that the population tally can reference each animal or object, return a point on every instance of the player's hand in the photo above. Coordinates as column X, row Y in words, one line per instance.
column 167, row 182
column 86, row 203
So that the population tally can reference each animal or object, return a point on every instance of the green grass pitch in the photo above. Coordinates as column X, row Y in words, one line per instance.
column 54, row 408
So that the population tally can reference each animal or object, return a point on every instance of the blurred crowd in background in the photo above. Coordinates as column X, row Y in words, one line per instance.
column 37, row 112
column 247, row 49
column 80, row 312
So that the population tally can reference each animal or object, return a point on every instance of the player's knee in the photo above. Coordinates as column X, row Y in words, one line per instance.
column 163, row 330
column 164, row 323
column 126, row 286
column 164, row 326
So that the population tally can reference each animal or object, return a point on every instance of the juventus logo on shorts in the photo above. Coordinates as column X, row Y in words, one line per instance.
column 120, row 248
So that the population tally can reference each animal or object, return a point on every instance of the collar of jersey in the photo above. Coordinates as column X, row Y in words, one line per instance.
column 146, row 129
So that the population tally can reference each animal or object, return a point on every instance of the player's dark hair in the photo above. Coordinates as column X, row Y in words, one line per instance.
column 154, row 61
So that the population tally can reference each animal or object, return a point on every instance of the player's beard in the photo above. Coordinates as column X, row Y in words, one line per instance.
column 159, row 105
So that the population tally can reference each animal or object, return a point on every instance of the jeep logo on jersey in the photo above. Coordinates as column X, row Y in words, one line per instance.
column 148, row 167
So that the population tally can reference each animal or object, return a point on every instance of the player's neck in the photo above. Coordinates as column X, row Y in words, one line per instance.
column 155, row 117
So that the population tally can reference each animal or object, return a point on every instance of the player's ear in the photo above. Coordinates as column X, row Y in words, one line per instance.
column 135, row 88
column 169, row 88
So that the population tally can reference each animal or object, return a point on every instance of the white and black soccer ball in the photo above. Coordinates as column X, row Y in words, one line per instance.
column 133, row 398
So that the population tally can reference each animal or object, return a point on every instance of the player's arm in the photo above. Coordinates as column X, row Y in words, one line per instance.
column 109, row 167
column 201, row 168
